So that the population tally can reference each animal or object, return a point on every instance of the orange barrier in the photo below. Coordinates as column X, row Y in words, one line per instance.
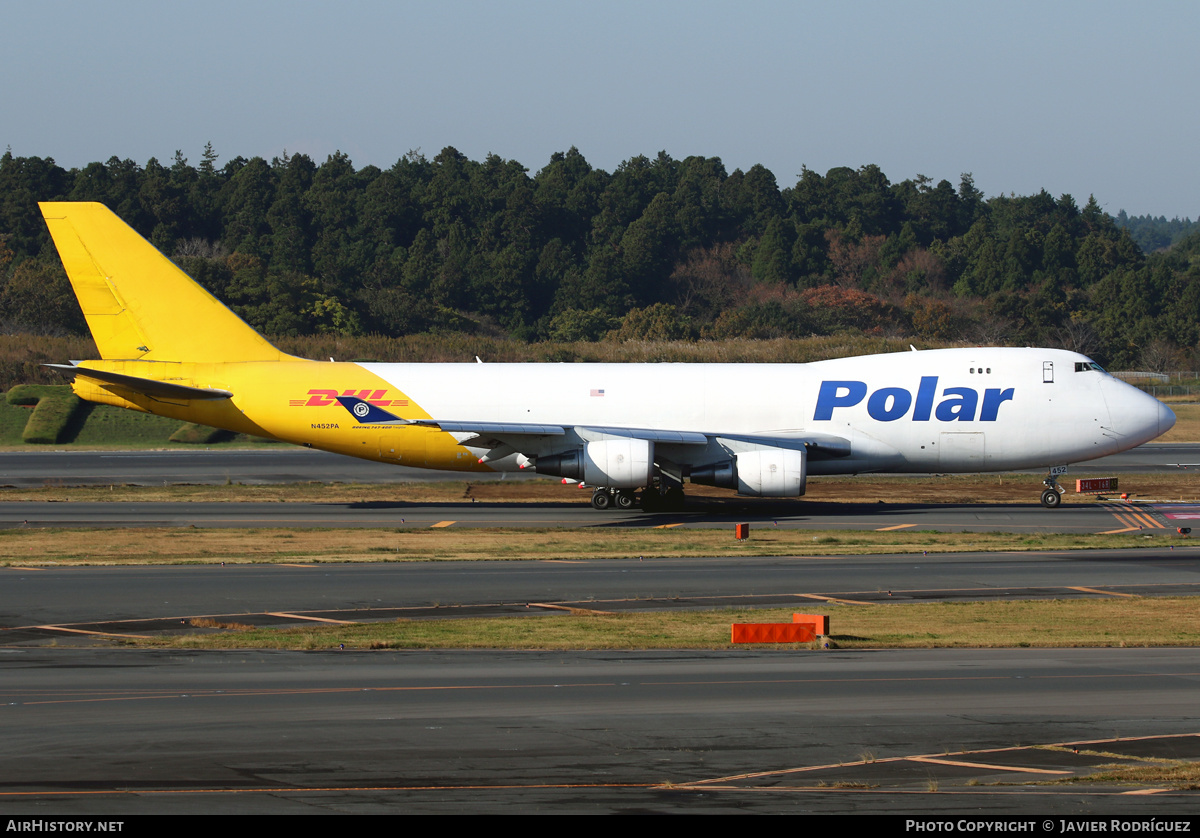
column 819, row 622
column 773, row 633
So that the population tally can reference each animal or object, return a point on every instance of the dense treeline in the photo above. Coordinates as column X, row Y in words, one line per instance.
column 660, row 249
column 1153, row 234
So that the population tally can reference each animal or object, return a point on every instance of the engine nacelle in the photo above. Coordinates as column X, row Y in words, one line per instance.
column 609, row 463
column 768, row 473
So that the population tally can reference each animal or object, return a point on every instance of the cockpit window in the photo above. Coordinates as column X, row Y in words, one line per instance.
column 1087, row 366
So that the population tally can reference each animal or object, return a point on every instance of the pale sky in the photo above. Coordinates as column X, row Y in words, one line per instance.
column 1076, row 97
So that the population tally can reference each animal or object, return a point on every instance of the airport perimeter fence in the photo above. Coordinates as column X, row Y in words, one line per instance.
column 1163, row 384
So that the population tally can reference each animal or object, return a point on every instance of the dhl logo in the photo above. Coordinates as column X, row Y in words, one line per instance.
column 327, row 398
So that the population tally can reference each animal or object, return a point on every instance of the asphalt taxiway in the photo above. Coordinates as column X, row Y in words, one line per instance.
column 111, row 732
column 1088, row 517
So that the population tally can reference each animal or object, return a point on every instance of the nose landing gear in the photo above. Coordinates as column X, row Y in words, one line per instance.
column 1052, row 496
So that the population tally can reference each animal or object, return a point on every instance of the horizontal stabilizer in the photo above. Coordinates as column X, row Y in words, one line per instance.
column 146, row 386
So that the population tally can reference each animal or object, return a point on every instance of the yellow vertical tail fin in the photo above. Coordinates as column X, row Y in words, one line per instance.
column 138, row 305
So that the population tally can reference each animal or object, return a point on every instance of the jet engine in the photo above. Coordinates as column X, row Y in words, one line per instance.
column 611, row 463
column 768, row 473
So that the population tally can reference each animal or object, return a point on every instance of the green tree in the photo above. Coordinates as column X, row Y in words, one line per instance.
column 660, row 321
column 245, row 200
column 773, row 256
column 289, row 218
column 649, row 248
column 23, row 182
column 576, row 325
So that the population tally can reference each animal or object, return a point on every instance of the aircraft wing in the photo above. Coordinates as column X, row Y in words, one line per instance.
column 516, row 436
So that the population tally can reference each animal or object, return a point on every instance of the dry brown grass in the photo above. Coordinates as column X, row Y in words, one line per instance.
column 1180, row 776
column 463, row 347
column 1183, row 484
column 192, row 545
column 1187, row 424
column 1097, row 622
column 1132, row 770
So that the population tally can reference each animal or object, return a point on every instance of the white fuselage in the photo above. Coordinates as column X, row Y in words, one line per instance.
column 951, row 410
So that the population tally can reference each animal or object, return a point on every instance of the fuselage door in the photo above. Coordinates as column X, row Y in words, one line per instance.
column 1047, row 372
column 961, row 452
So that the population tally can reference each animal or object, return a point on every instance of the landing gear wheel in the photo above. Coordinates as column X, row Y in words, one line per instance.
column 1051, row 499
column 601, row 499
column 625, row 499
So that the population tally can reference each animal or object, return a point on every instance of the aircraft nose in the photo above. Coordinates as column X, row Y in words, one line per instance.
column 1136, row 416
column 1151, row 417
column 1166, row 418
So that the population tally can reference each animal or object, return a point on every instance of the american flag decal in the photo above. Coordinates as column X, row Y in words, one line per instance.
column 597, row 392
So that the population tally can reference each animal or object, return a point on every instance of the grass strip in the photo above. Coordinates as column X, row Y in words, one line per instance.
column 189, row 545
column 193, row 434
column 883, row 490
column 1140, row 622
column 1178, row 775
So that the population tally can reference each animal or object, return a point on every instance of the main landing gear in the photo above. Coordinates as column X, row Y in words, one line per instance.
column 652, row 500
column 609, row 498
